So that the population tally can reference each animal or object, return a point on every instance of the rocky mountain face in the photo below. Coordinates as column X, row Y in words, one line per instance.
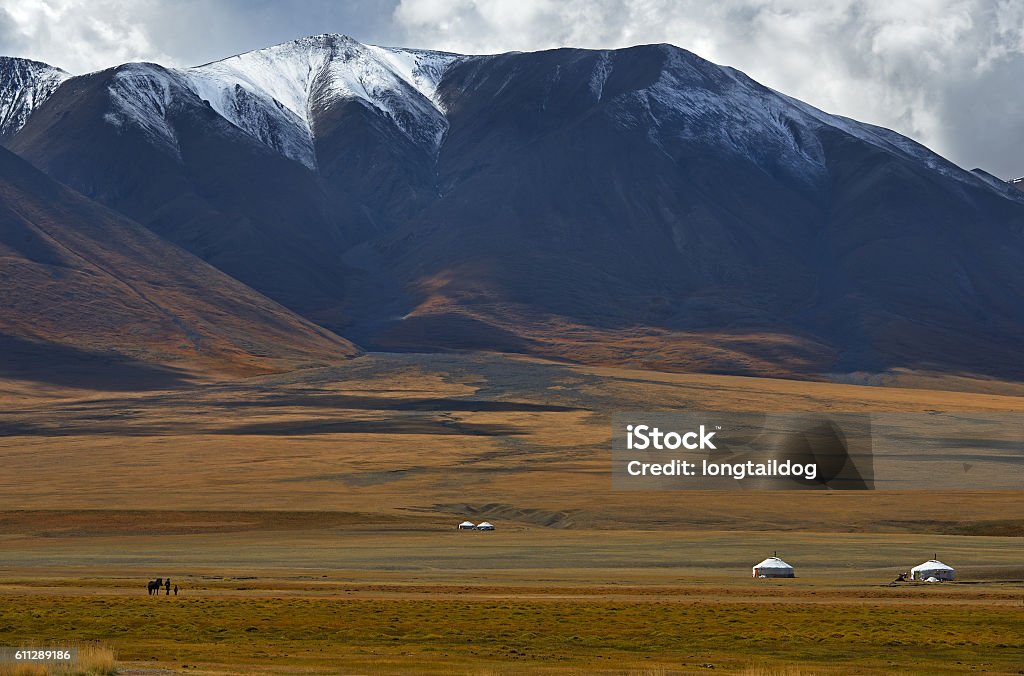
column 637, row 206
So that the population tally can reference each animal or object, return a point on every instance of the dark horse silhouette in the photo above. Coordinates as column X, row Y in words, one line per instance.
column 154, row 586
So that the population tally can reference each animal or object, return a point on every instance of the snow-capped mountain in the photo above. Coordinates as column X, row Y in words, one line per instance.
column 276, row 94
column 721, row 104
column 24, row 86
column 142, row 96
column 640, row 205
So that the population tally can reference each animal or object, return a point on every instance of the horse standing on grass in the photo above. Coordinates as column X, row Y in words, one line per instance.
column 154, row 586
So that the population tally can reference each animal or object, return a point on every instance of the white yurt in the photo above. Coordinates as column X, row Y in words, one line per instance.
column 467, row 525
column 934, row 568
column 485, row 526
column 773, row 566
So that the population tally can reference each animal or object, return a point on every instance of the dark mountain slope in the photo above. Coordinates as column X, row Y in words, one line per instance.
column 137, row 139
column 84, row 285
column 685, row 204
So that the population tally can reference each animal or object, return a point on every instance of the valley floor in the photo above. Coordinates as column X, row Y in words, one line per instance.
column 308, row 519
column 411, row 598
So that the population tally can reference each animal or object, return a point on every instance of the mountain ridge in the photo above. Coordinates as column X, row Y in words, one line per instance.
column 423, row 75
column 640, row 205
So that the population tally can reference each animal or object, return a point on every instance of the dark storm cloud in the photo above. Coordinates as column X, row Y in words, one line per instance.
column 945, row 72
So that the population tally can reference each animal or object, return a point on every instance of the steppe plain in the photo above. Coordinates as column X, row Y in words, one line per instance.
column 308, row 519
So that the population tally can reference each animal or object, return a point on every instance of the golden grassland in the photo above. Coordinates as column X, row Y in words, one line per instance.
column 356, row 596
column 308, row 518
column 267, row 631
column 485, row 436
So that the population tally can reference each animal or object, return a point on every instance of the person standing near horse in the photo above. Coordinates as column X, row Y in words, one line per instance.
column 167, row 586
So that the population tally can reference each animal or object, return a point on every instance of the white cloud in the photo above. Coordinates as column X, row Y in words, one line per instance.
column 77, row 35
column 86, row 35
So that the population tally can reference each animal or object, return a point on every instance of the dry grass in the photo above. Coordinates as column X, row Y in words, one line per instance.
column 435, row 635
column 23, row 670
column 92, row 659
column 382, row 435
column 95, row 659
column 792, row 671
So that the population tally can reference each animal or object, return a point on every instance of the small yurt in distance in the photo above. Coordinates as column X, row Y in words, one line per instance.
column 773, row 566
column 467, row 525
column 933, row 569
column 485, row 526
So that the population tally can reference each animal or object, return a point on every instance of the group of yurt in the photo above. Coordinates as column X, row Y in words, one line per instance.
column 469, row 525
column 932, row 570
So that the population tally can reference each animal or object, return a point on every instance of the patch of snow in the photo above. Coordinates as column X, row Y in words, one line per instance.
column 142, row 95
column 257, row 114
column 1007, row 188
column 284, row 72
column 421, row 69
column 24, row 86
column 897, row 144
column 697, row 99
column 357, row 72
column 549, row 86
column 599, row 76
column 274, row 94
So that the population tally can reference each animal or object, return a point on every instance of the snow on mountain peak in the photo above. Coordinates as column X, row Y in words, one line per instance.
column 695, row 98
column 143, row 94
column 420, row 69
column 24, row 86
column 274, row 93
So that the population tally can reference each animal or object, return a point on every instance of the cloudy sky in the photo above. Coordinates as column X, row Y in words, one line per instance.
column 945, row 72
